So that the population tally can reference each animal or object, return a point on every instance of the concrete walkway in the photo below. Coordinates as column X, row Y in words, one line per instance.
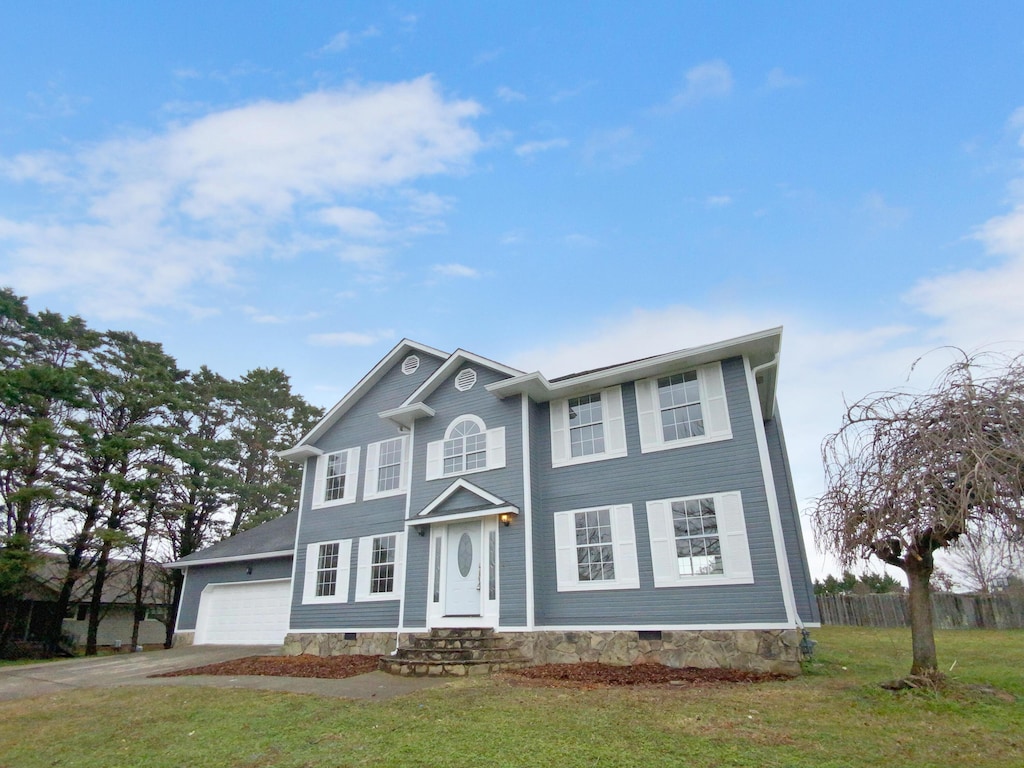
column 25, row 680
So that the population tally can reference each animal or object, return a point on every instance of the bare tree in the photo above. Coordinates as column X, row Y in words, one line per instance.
column 985, row 559
column 908, row 474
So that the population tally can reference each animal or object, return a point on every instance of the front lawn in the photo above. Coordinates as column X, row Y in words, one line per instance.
column 835, row 715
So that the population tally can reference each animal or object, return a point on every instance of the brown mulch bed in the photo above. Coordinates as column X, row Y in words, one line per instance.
column 582, row 675
column 307, row 665
column 594, row 674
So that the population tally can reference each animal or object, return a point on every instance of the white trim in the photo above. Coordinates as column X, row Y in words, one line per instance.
column 734, row 543
column 456, row 516
column 613, row 427
column 371, row 476
column 364, row 569
column 295, row 544
column 231, row 559
column 352, row 473
column 376, row 373
column 713, row 404
column 363, row 630
column 454, row 360
column 494, row 449
column 405, row 544
column 528, row 511
column 198, row 639
column 762, row 345
column 656, row 627
column 343, row 573
column 181, row 602
column 774, row 514
column 624, row 553
column 460, row 484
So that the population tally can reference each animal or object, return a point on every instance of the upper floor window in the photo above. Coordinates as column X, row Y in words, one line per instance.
column 699, row 540
column 327, row 572
column 468, row 446
column 379, row 569
column 588, row 428
column 336, row 478
column 386, row 468
column 684, row 408
column 596, row 549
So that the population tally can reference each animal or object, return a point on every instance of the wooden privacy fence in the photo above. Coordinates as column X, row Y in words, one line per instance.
column 951, row 611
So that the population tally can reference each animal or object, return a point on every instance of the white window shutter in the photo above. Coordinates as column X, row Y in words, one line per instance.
column 565, row 550
column 404, row 470
column 399, row 564
column 627, row 572
column 559, row 432
column 732, row 530
column 663, row 543
column 363, row 562
column 614, row 422
column 344, row 570
column 496, row 448
column 319, row 481
column 351, row 474
column 370, row 479
column 435, row 459
column 648, row 414
column 716, row 409
column 309, row 585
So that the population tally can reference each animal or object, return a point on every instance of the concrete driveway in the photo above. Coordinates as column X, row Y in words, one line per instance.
column 23, row 681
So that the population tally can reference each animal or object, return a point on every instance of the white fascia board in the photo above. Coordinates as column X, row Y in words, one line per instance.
column 407, row 414
column 403, row 347
column 232, row 559
column 461, row 484
column 509, row 509
column 457, row 358
column 760, row 347
column 300, row 453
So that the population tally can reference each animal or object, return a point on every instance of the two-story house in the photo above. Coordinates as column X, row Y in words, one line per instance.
column 641, row 511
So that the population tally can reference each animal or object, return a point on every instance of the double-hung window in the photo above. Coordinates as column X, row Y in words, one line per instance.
column 699, row 540
column 386, row 468
column 596, row 549
column 336, row 478
column 588, row 428
column 327, row 572
column 468, row 446
column 684, row 408
column 379, row 570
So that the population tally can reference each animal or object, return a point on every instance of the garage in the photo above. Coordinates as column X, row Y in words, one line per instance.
column 248, row 613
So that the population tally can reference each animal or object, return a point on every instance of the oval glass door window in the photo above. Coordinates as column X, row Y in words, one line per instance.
column 465, row 554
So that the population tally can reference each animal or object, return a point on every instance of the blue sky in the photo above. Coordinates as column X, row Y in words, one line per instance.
column 556, row 186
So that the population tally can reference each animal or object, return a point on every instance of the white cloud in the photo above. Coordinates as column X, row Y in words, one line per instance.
column 777, row 79
column 882, row 214
column 151, row 217
column 615, row 148
column 455, row 270
column 718, row 201
column 338, row 43
column 508, row 95
column 348, row 338
column 530, row 148
column 577, row 240
column 710, row 80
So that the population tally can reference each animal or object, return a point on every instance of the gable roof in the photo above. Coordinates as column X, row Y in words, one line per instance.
column 304, row 448
column 47, row 578
column 274, row 538
column 476, row 502
column 760, row 348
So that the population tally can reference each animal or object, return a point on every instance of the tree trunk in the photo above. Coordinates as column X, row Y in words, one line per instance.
column 922, row 627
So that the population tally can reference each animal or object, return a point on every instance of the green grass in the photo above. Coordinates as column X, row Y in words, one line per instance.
column 835, row 715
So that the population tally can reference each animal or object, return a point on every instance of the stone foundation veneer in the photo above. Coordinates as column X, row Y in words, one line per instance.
column 759, row 650
column 183, row 639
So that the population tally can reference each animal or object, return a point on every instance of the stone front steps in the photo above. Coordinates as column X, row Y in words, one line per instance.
column 454, row 653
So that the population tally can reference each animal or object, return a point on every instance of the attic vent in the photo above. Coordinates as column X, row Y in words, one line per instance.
column 465, row 380
column 410, row 364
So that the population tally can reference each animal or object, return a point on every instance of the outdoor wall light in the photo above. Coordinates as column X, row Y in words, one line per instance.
column 248, row 569
column 505, row 518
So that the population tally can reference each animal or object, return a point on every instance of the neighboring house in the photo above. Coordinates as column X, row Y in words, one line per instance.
column 117, row 604
column 642, row 511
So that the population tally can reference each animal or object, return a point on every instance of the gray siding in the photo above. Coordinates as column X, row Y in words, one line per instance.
column 360, row 426
column 800, row 573
column 225, row 573
column 506, row 483
column 728, row 465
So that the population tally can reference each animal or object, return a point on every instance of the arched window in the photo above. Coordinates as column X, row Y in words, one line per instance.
column 465, row 446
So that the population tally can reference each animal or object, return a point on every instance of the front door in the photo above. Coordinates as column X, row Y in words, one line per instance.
column 463, row 578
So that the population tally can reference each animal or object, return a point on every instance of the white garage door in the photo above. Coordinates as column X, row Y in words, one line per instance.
column 253, row 613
